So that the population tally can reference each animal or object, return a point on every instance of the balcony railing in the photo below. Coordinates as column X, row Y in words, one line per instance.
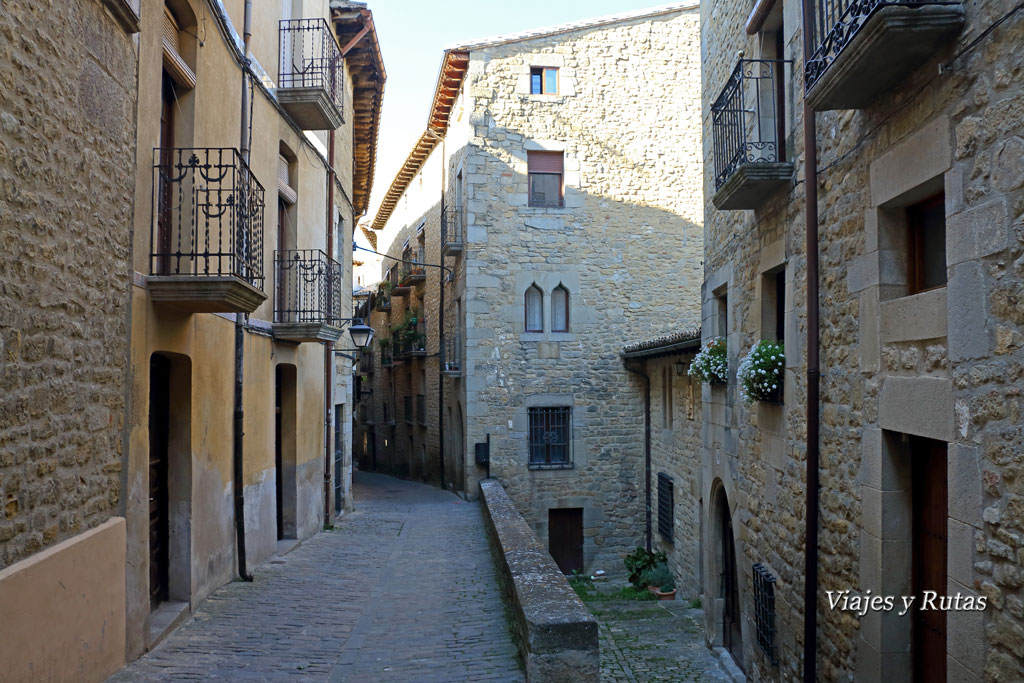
column 411, row 341
column 382, row 300
column 452, row 232
column 207, row 230
column 395, row 276
column 385, row 356
column 748, row 133
column 366, row 361
column 453, row 355
column 308, row 296
column 865, row 47
column 310, row 80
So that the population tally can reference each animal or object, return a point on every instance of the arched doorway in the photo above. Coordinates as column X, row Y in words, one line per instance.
column 727, row 573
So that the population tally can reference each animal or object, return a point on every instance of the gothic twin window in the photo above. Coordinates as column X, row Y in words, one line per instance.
column 534, row 306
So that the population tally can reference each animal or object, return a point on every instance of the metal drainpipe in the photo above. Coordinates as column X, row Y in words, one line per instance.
column 647, row 454
column 328, row 347
column 239, row 422
column 813, row 370
column 440, row 332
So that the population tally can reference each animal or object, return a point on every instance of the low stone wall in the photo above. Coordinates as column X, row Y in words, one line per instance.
column 555, row 634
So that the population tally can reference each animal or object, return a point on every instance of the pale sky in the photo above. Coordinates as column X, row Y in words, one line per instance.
column 412, row 36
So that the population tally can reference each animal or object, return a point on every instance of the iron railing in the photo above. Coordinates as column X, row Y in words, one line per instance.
column 311, row 58
column 452, row 223
column 411, row 340
column 308, row 287
column 836, row 25
column 382, row 300
column 764, row 611
column 550, row 438
column 207, row 215
column 453, row 355
column 746, row 119
column 366, row 361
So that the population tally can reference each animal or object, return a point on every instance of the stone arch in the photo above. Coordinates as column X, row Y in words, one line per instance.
column 724, row 584
column 533, row 308
column 560, row 308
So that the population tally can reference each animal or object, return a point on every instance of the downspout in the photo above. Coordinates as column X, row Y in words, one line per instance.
column 440, row 333
column 328, row 347
column 647, row 454
column 813, row 370
column 239, row 423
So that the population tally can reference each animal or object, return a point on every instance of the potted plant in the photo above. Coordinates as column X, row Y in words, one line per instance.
column 760, row 373
column 711, row 364
column 660, row 581
column 639, row 561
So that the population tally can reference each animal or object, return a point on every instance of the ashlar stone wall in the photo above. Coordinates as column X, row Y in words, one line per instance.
column 626, row 245
column 67, row 140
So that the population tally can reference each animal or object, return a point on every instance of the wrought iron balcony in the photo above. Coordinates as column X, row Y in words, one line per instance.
column 411, row 342
column 453, row 356
column 866, row 47
column 207, row 241
column 748, row 132
column 382, row 299
column 385, row 355
column 452, row 234
column 308, row 296
column 395, row 277
column 366, row 361
column 310, row 82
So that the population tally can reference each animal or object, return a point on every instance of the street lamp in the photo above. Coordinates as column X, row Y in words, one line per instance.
column 361, row 334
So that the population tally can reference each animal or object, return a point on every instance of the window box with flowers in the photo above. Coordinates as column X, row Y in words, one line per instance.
column 711, row 364
column 761, row 372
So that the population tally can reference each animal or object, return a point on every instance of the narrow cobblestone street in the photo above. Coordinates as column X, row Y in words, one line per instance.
column 403, row 589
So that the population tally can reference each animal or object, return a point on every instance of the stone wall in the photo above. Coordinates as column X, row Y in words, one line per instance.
column 626, row 245
column 67, row 130
column 941, row 364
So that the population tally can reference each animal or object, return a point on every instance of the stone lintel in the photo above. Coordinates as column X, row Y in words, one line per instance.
column 199, row 294
column 922, row 406
column 916, row 317
column 895, row 40
column 752, row 184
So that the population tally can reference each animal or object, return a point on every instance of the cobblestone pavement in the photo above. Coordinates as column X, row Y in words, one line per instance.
column 403, row 589
column 653, row 641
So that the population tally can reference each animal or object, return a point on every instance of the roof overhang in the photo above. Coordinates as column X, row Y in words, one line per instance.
column 671, row 345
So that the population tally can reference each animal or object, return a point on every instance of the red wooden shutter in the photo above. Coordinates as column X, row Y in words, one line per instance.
column 544, row 162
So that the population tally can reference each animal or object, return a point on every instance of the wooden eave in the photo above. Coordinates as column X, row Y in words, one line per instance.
column 366, row 67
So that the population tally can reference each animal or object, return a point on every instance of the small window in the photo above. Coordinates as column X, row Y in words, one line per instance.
column 543, row 80
column 545, row 178
column 764, row 612
column 550, row 437
column 926, row 222
column 560, row 309
column 722, row 314
column 534, row 309
column 665, row 506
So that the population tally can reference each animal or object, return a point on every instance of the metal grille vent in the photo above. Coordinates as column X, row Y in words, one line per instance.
column 665, row 506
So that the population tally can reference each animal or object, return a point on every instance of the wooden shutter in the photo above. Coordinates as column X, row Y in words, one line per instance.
column 284, row 186
column 174, row 63
column 544, row 162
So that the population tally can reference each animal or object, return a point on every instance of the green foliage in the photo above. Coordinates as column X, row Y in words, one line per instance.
column 639, row 561
column 761, row 372
column 661, row 576
column 711, row 364
column 695, row 603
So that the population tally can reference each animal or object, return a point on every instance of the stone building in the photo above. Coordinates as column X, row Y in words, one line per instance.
column 919, row 189
column 558, row 183
column 206, row 244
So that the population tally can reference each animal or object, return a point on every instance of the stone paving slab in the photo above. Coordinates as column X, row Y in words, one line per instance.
column 653, row 641
column 403, row 589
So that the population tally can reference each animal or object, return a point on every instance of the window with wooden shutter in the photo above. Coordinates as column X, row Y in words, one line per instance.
column 545, row 170
column 284, row 180
column 174, row 63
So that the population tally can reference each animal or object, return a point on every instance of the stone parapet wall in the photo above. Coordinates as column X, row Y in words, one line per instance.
column 555, row 634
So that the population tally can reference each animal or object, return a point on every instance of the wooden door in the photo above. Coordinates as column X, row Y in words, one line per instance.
column 159, row 431
column 339, row 413
column 565, row 538
column 732, row 634
column 928, row 462
column 163, row 241
column 278, row 460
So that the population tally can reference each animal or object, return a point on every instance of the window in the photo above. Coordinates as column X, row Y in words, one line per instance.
column 722, row 312
column 666, row 397
column 545, row 178
column 665, row 505
column 926, row 223
column 773, row 305
column 543, row 80
column 550, row 433
column 764, row 611
column 534, row 309
column 560, row 309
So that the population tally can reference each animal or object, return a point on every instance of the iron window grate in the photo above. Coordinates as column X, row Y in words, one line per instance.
column 665, row 507
column 764, row 611
column 551, row 438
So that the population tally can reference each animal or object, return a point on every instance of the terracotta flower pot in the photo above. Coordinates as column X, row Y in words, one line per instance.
column 653, row 589
column 670, row 595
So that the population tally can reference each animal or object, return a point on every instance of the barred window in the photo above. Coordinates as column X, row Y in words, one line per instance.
column 665, row 507
column 550, row 437
column 764, row 611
